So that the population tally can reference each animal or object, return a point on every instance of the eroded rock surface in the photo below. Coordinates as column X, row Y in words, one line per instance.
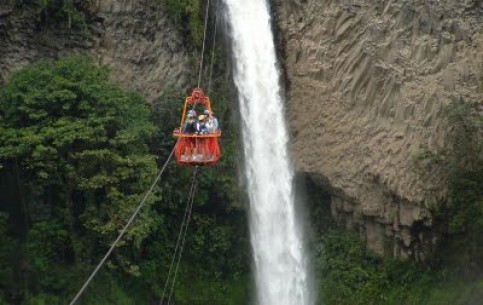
column 134, row 37
column 367, row 83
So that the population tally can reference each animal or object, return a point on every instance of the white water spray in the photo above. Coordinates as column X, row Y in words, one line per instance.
column 280, row 264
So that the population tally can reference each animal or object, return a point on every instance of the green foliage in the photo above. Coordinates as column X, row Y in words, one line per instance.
column 188, row 15
column 199, row 289
column 466, row 208
column 68, row 128
column 79, row 147
column 215, row 264
column 7, row 254
column 428, row 162
column 351, row 275
column 462, row 161
column 466, row 150
column 76, row 150
column 463, row 214
column 71, row 13
column 215, row 260
column 48, row 242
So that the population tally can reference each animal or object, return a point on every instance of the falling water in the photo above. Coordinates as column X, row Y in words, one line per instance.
column 280, row 264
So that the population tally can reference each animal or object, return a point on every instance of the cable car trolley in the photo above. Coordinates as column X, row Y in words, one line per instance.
column 198, row 132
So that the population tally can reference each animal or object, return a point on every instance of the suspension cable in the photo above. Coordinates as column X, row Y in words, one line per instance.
column 180, row 241
column 204, row 39
column 212, row 52
column 124, row 229
column 146, row 196
column 182, row 244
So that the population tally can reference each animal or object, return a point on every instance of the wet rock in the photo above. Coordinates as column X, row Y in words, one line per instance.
column 139, row 43
column 367, row 87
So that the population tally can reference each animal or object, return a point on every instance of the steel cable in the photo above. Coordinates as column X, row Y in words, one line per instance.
column 180, row 242
column 208, row 91
column 187, row 215
column 204, row 39
column 124, row 229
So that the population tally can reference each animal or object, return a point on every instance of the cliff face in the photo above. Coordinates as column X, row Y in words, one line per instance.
column 135, row 38
column 367, row 81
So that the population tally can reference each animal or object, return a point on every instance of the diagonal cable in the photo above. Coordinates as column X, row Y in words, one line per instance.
column 124, row 229
column 181, row 240
column 212, row 53
column 204, row 40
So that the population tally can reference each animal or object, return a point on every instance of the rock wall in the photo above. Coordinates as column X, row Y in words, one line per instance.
column 367, row 81
column 134, row 37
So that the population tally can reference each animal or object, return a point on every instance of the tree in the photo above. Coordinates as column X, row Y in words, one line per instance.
column 79, row 147
column 75, row 156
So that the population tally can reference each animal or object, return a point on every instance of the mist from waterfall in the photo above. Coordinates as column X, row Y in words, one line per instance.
column 281, row 273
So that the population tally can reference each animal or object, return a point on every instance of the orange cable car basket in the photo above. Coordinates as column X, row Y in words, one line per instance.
column 196, row 149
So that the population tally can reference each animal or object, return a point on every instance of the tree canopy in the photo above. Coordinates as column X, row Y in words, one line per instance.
column 77, row 154
column 78, row 147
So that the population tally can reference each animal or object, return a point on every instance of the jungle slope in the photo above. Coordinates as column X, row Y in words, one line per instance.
column 53, row 229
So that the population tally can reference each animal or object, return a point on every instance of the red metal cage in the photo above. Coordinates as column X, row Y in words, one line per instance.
column 196, row 149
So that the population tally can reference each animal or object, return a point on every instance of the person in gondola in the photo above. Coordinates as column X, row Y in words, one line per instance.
column 190, row 123
column 201, row 127
column 196, row 145
column 211, row 122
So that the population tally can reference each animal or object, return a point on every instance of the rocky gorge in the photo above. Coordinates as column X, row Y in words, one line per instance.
column 135, row 39
column 366, row 84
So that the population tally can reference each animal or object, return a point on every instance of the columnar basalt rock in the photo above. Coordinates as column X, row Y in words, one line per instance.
column 367, row 82
column 133, row 37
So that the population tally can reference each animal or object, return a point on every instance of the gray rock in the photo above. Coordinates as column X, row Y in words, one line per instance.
column 374, row 79
column 118, row 37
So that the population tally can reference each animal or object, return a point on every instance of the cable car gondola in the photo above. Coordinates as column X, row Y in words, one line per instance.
column 195, row 147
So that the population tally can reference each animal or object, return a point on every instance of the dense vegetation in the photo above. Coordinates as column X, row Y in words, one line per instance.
column 68, row 13
column 461, row 161
column 349, row 274
column 188, row 16
column 77, row 154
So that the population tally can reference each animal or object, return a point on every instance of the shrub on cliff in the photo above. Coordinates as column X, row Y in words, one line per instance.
column 350, row 275
column 461, row 163
column 188, row 15
column 71, row 13
column 463, row 214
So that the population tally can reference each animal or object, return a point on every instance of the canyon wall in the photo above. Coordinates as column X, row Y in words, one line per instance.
column 133, row 37
column 367, row 81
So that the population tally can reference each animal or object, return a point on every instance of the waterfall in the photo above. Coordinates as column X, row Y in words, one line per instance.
column 280, row 264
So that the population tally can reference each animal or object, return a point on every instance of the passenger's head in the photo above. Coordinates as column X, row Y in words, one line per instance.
column 201, row 118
